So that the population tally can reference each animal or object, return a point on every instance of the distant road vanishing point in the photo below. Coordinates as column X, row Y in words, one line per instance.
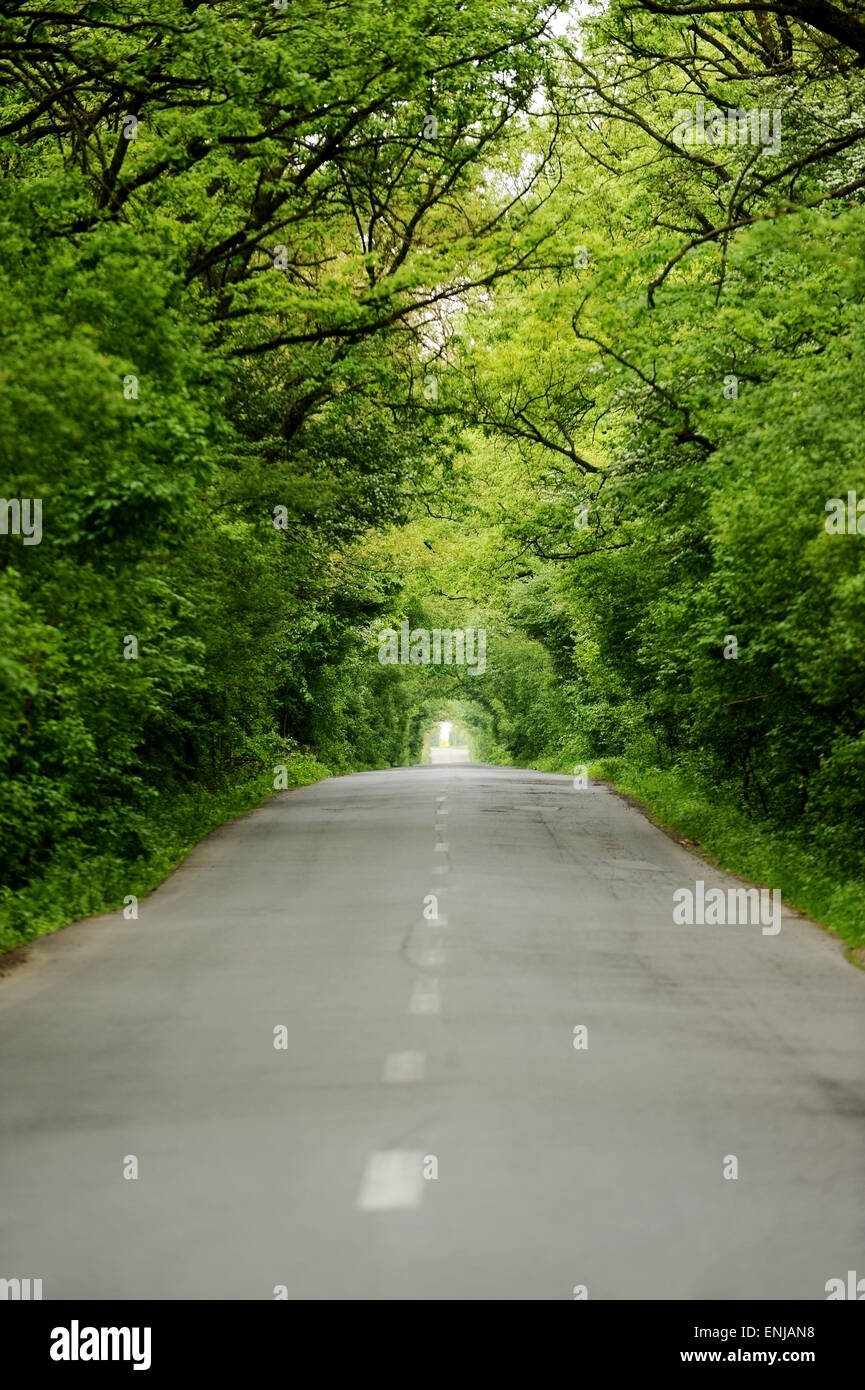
column 442, row 756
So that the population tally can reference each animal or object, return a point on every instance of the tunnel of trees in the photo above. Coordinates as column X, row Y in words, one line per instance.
column 324, row 318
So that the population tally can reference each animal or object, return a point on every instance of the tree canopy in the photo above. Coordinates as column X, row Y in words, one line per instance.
column 319, row 318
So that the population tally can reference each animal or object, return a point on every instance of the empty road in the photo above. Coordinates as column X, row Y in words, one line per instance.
column 328, row 1093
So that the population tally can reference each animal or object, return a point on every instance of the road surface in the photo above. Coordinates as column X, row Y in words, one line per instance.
column 330, row 1095
column 448, row 755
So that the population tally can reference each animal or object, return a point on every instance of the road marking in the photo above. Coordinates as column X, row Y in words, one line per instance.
column 392, row 1181
column 440, row 799
column 432, row 957
column 442, row 847
column 425, row 998
column 440, row 869
column 443, row 811
column 404, row 1066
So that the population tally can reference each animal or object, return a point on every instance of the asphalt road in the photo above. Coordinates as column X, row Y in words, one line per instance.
column 429, row 1130
column 448, row 755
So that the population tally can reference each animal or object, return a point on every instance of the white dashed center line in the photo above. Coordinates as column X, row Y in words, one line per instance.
column 404, row 1066
column 431, row 958
column 425, row 998
column 392, row 1181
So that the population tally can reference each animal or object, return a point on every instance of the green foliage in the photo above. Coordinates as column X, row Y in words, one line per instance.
column 81, row 880
column 694, row 382
column 220, row 250
column 371, row 304
column 757, row 850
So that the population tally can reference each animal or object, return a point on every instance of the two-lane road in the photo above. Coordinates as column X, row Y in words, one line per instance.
column 327, row 1089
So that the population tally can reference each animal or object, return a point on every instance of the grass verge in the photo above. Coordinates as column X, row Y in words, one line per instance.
column 79, row 883
column 731, row 840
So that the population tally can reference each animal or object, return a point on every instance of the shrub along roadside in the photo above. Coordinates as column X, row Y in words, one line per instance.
column 80, row 884
column 729, row 839
column 83, row 885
